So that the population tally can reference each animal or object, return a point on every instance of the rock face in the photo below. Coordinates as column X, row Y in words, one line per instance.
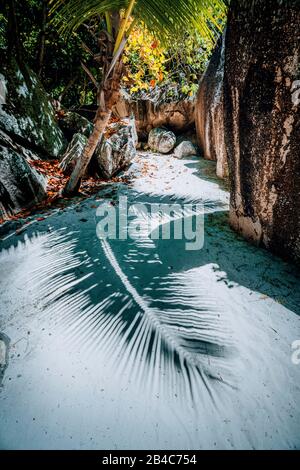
column 26, row 113
column 178, row 117
column 209, row 112
column 185, row 149
column 20, row 184
column 262, row 123
column 28, row 130
column 73, row 152
column 161, row 140
column 115, row 153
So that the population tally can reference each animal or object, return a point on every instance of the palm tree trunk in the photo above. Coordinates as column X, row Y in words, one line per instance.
column 101, row 121
column 109, row 96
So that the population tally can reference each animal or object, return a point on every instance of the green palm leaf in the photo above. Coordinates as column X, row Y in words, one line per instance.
column 165, row 18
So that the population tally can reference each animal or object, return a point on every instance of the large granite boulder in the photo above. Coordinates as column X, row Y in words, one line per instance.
column 161, row 140
column 20, row 184
column 26, row 113
column 28, row 130
column 262, row 122
column 116, row 151
column 209, row 111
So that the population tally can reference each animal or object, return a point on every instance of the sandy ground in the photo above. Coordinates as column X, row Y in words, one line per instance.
column 141, row 344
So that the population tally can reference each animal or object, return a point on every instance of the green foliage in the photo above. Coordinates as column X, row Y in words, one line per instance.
column 63, row 59
column 166, row 73
column 164, row 59
column 169, row 43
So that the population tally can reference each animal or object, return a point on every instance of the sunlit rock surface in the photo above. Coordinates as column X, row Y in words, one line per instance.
column 185, row 149
column 116, row 151
column 262, row 123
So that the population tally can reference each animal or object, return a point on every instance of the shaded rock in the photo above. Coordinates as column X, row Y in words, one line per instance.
column 209, row 112
column 115, row 153
column 177, row 116
column 185, row 149
column 262, row 122
column 73, row 152
column 72, row 123
column 161, row 140
column 21, row 185
column 26, row 113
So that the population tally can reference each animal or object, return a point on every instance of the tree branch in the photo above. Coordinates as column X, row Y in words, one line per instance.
column 90, row 75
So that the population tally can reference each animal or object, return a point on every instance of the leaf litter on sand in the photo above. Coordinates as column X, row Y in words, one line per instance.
column 56, row 181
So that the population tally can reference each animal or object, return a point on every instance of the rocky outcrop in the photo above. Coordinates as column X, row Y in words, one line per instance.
column 209, row 112
column 262, row 122
column 115, row 153
column 28, row 130
column 185, row 149
column 161, row 140
column 26, row 113
column 20, row 184
column 178, row 117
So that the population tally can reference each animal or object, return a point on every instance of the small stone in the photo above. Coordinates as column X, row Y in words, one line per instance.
column 185, row 149
column 161, row 140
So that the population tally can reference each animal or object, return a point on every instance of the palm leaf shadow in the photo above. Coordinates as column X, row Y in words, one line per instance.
column 175, row 340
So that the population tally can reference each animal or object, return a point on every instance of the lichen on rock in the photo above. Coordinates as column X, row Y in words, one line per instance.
column 26, row 112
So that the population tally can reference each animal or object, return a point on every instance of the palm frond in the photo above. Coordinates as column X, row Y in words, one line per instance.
column 71, row 14
column 165, row 18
